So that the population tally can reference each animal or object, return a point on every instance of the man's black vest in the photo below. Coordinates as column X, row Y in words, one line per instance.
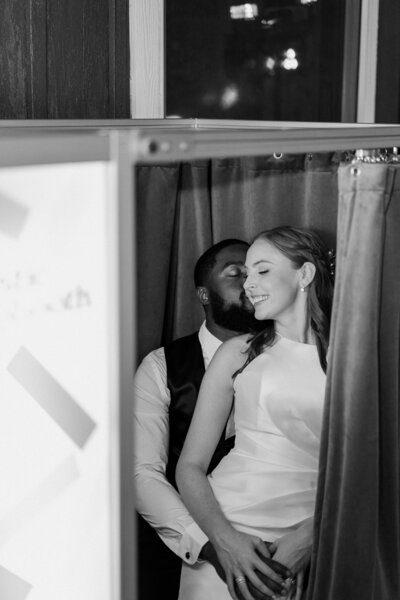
column 185, row 370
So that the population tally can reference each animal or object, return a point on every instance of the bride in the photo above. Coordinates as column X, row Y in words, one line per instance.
column 259, row 502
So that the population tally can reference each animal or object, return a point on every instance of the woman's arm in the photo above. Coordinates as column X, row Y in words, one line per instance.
column 238, row 553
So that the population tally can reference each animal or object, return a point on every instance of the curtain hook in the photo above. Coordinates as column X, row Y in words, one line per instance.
column 394, row 157
column 348, row 155
column 373, row 155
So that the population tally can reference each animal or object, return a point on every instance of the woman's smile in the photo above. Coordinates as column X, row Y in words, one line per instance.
column 257, row 299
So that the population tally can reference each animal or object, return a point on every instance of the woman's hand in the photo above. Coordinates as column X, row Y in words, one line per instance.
column 249, row 571
column 294, row 551
column 209, row 554
column 294, row 548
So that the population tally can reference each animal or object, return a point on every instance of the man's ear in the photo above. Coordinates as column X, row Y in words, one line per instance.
column 307, row 273
column 202, row 294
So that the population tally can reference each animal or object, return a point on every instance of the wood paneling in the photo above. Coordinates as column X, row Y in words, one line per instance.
column 62, row 60
column 22, row 60
column 13, row 68
column 37, row 56
column 120, row 101
column 77, row 57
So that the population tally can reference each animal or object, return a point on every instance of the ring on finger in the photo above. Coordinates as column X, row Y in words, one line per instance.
column 240, row 579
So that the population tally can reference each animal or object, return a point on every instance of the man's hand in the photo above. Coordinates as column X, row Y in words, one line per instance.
column 209, row 554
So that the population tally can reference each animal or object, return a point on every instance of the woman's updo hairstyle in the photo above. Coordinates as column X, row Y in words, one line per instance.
column 300, row 246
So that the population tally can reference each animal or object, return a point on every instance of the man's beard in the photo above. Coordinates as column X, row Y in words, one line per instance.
column 235, row 317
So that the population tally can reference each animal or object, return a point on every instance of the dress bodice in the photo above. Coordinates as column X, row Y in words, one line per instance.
column 268, row 482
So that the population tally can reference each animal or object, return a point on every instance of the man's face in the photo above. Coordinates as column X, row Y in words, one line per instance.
column 230, row 306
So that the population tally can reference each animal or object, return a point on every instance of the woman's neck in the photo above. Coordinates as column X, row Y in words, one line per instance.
column 296, row 332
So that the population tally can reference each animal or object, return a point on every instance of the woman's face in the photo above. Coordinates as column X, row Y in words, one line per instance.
column 272, row 283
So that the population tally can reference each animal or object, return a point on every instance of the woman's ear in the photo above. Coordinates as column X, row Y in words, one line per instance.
column 202, row 294
column 307, row 274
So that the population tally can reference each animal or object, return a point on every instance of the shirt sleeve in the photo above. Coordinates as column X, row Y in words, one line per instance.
column 156, row 499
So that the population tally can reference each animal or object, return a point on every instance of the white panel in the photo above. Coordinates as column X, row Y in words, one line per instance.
column 58, row 415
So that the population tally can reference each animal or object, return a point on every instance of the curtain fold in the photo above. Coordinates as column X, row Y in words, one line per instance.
column 156, row 199
column 191, row 236
column 184, row 208
column 356, row 545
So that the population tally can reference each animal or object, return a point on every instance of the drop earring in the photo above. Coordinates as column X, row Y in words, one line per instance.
column 302, row 288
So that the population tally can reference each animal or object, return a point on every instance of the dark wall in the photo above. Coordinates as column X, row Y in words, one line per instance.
column 64, row 59
column 388, row 67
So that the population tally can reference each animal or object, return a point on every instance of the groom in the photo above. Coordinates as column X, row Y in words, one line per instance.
column 165, row 392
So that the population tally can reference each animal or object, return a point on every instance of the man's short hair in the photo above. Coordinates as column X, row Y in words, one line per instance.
column 206, row 262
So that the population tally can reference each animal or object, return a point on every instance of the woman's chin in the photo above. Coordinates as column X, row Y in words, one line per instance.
column 261, row 315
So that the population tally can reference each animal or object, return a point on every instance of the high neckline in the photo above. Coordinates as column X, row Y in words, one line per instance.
column 282, row 337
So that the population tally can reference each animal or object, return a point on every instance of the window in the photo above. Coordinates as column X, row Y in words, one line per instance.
column 267, row 60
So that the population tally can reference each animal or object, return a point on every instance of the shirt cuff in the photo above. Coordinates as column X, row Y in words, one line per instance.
column 191, row 543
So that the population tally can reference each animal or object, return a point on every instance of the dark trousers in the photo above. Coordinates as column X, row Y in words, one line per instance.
column 159, row 569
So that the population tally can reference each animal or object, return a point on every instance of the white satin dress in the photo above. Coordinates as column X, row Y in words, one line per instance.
column 266, row 485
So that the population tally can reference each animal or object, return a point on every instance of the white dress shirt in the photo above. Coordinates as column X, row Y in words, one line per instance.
column 156, row 499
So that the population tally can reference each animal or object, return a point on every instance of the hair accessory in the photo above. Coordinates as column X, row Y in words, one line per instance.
column 331, row 263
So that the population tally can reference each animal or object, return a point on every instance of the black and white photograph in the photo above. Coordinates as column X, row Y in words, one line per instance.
column 199, row 300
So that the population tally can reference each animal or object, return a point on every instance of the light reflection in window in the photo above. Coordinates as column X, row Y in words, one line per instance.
column 244, row 11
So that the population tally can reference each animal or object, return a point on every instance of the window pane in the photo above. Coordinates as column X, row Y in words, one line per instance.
column 270, row 60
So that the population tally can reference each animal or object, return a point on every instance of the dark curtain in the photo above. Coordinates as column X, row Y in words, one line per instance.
column 357, row 533
column 184, row 208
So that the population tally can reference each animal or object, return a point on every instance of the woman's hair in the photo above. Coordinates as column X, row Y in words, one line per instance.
column 300, row 246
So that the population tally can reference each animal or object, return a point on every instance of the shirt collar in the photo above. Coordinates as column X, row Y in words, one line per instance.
column 209, row 344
